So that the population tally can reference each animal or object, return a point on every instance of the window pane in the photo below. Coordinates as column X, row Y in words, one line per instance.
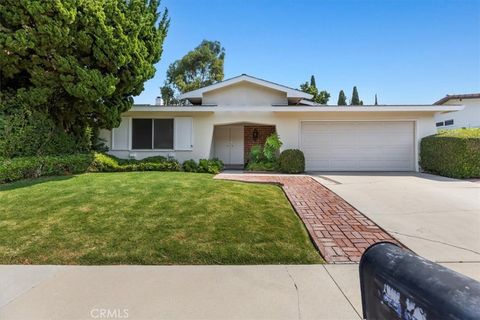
column 141, row 133
column 163, row 134
column 448, row 122
column 439, row 124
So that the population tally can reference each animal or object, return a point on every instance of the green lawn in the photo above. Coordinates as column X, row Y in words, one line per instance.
column 149, row 218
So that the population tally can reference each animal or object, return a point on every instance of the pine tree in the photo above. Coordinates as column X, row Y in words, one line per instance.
column 342, row 99
column 355, row 98
column 79, row 62
column 320, row 97
column 376, row 101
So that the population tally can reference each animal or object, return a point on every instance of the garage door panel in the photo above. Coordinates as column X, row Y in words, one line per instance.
column 312, row 140
column 358, row 146
column 342, row 165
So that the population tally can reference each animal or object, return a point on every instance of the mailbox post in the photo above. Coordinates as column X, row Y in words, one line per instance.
column 398, row 284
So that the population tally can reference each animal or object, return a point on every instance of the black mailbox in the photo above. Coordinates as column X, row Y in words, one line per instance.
column 398, row 284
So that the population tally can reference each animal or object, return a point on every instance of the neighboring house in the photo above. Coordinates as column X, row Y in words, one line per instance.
column 468, row 117
column 227, row 118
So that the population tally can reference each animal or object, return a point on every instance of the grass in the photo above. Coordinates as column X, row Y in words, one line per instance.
column 149, row 218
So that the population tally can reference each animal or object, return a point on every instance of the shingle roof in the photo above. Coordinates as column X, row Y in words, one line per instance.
column 458, row 96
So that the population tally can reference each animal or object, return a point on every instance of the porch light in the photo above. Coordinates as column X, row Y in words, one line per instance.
column 255, row 134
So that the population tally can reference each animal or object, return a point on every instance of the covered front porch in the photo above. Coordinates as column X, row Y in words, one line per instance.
column 232, row 142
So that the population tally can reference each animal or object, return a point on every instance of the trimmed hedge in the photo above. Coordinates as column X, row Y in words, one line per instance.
column 452, row 153
column 107, row 163
column 291, row 161
column 33, row 167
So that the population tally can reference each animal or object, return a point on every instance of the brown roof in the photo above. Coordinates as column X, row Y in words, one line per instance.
column 458, row 96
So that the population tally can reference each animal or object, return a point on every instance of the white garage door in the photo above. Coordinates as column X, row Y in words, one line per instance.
column 358, row 145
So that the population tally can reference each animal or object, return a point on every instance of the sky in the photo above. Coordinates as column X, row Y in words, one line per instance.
column 405, row 51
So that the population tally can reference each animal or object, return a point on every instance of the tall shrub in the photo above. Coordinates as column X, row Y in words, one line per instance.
column 452, row 153
column 271, row 147
column 256, row 153
column 31, row 133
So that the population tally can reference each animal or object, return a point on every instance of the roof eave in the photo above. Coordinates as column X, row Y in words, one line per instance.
column 449, row 97
column 315, row 108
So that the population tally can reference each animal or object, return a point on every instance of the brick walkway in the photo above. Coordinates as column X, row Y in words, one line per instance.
column 339, row 231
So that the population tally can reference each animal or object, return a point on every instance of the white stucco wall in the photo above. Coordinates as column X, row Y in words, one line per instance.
column 245, row 94
column 249, row 103
column 287, row 125
column 469, row 117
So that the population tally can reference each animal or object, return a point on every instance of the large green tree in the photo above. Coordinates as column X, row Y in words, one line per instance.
column 342, row 98
column 79, row 61
column 320, row 97
column 355, row 98
column 200, row 67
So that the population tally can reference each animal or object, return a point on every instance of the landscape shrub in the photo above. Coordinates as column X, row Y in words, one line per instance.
column 108, row 163
column 265, row 158
column 291, row 161
column 105, row 163
column 271, row 147
column 452, row 153
column 66, row 164
column 256, row 153
column 19, row 168
column 154, row 159
column 167, row 165
column 29, row 133
column 34, row 167
column 262, row 166
column 213, row 166
column 190, row 166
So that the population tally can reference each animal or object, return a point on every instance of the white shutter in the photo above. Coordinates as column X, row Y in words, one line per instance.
column 183, row 127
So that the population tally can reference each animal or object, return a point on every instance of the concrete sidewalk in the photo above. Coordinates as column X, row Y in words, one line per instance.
column 184, row 292
column 174, row 292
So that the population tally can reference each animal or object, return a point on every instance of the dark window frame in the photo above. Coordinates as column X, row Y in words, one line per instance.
column 439, row 124
column 450, row 122
column 152, row 132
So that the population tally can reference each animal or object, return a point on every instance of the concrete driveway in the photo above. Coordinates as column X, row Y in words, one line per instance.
column 438, row 218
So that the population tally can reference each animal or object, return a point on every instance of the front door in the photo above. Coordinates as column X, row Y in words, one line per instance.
column 229, row 144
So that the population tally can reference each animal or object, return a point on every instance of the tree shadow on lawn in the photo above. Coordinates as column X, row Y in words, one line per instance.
column 32, row 182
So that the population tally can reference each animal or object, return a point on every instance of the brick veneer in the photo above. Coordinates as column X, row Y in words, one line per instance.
column 263, row 133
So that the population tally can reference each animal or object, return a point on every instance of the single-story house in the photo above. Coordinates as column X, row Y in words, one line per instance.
column 225, row 119
column 468, row 117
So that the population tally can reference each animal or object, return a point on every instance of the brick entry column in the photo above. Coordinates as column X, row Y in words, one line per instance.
column 263, row 133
